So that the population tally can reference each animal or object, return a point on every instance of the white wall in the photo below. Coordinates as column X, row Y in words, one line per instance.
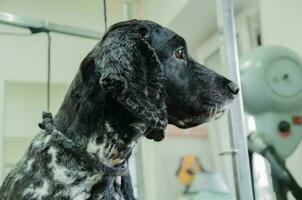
column 162, row 12
column 24, row 58
column 24, row 103
column 281, row 23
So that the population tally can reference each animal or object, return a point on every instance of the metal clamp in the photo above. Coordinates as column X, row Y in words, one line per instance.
column 229, row 152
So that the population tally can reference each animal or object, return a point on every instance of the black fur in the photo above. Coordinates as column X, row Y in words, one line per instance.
column 130, row 85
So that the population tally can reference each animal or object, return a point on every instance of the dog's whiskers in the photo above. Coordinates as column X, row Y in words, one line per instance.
column 210, row 116
column 215, row 111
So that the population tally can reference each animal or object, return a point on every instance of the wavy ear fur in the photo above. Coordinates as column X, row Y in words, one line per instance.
column 132, row 74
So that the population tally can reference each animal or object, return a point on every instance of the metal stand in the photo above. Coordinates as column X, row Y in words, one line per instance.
column 23, row 22
column 240, row 158
column 283, row 181
column 2, row 103
column 280, row 190
column 39, row 26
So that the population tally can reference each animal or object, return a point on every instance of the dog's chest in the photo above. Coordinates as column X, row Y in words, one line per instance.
column 57, row 177
column 49, row 170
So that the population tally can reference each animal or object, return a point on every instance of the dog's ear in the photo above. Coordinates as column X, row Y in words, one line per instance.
column 132, row 73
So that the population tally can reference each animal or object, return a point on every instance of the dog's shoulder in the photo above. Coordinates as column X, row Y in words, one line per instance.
column 28, row 171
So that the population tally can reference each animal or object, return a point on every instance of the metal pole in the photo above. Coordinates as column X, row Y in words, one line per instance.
column 105, row 14
column 127, row 10
column 243, row 184
column 48, row 89
column 23, row 22
column 2, row 135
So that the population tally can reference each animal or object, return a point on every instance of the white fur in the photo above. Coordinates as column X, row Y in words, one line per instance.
column 118, row 180
column 82, row 191
column 96, row 149
column 41, row 140
column 29, row 164
column 108, row 127
column 38, row 193
column 100, row 151
column 59, row 172
column 43, row 190
column 77, row 192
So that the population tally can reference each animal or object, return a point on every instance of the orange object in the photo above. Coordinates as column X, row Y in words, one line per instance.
column 297, row 120
column 188, row 169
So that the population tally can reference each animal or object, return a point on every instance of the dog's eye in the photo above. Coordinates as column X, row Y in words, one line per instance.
column 179, row 54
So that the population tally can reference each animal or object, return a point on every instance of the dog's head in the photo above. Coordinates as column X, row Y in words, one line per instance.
column 148, row 70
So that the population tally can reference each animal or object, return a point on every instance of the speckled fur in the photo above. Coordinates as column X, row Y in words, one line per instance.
column 128, row 86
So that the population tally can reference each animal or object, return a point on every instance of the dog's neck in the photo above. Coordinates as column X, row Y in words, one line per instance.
column 101, row 125
column 116, row 135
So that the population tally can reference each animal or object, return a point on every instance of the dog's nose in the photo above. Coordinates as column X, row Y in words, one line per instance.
column 233, row 87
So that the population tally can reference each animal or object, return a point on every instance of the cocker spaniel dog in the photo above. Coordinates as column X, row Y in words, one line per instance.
column 134, row 82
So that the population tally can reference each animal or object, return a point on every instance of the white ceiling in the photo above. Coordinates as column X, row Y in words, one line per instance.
column 195, row 20
column 198, row 19
column 78, row 13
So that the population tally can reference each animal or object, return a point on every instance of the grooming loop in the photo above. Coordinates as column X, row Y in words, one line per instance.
column 229, row 152
column 90, row 160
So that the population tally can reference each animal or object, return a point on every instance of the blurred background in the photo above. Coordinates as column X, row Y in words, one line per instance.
column 156, row 167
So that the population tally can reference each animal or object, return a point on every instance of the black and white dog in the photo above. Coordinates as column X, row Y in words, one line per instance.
column 135, row 81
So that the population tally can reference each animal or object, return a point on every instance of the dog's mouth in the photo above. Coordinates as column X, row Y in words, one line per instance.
column 209, row 113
